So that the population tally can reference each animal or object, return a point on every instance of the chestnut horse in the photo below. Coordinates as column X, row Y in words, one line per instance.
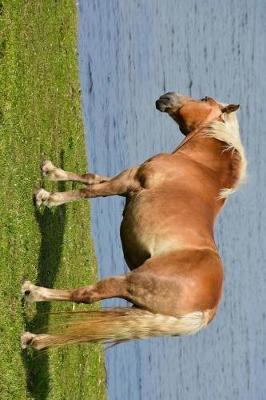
column 172, row 201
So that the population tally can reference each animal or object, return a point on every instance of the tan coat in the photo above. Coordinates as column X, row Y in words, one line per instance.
column 167, row 230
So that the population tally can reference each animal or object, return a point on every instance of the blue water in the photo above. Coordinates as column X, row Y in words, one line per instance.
column 130, row 52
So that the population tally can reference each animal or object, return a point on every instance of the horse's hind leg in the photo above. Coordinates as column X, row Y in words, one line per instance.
column 144, row 290
column 53, row 173
column 105, row 289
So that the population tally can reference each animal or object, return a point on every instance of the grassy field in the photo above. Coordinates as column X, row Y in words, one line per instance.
column 40, row 117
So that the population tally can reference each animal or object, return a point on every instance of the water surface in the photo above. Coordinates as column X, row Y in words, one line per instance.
column 130, row 52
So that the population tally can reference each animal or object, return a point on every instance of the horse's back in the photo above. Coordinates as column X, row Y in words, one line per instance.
column 178, row 283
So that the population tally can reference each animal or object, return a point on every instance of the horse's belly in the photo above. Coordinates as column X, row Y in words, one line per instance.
column 147, row 231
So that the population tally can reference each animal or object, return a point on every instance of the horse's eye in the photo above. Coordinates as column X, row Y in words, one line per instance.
column 206, row 98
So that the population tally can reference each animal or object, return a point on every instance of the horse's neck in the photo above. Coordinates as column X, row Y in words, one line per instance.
column 212, row 154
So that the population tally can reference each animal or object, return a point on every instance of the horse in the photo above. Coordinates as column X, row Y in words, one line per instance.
column 175, row 281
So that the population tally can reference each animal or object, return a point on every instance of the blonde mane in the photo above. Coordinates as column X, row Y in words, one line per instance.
column 228, row 132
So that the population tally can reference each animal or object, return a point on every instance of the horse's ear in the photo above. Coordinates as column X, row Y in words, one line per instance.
column 230, row 108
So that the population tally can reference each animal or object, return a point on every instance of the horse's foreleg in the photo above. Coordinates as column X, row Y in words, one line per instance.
column 53, row 173
column 119, row 185
column 105, row 289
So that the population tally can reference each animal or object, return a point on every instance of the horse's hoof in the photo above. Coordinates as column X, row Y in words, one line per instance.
column 26, row 290
column 48, row 169
column 32, row 293
column 26, row 339
column 29, row 292
column 41, row 197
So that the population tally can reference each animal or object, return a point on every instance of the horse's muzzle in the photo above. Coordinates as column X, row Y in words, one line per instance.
column 160, row 105
column 163, row 103
column 168, row 101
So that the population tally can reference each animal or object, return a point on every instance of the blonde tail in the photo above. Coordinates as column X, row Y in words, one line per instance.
column 118, row 324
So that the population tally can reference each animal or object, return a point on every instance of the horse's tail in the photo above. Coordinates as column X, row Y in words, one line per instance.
column 119, row 324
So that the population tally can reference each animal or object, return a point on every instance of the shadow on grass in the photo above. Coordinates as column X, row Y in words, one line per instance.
column 52, row 227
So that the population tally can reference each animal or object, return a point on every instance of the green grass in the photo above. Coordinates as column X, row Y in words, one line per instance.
column 40, row 117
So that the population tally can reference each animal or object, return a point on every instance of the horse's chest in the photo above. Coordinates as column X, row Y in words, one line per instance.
column 155, row 172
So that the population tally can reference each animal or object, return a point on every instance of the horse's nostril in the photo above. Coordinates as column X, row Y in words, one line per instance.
column 161, row 105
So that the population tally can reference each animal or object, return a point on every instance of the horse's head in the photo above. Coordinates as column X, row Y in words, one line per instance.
column 190, row 114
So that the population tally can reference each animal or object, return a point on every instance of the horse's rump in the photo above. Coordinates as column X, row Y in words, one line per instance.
column 178, row 283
